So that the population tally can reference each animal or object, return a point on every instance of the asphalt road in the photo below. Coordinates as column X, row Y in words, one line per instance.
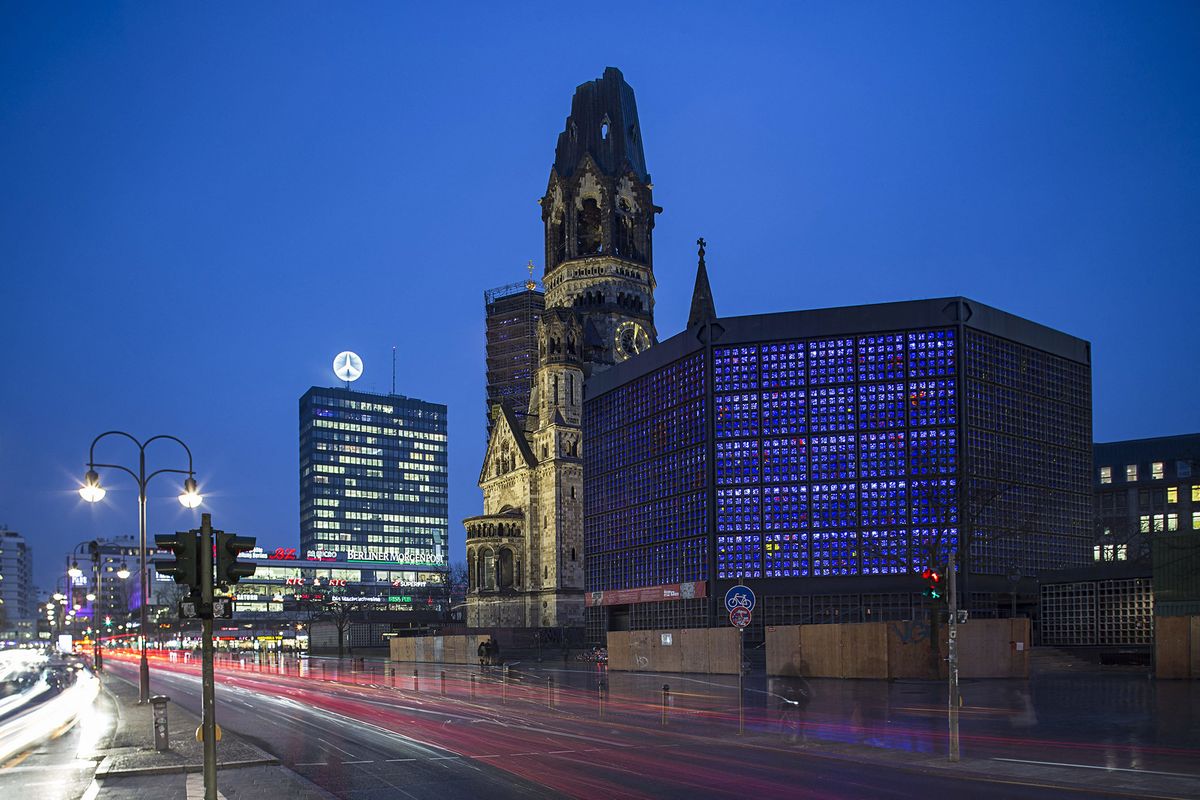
column 374, row 741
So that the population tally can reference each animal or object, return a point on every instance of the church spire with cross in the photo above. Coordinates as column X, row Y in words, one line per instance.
column 703, row 309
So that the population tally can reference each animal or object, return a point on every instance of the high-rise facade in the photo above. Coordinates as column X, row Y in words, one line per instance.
column 512, row 314
column 19, row 606
column 373, row 479
column 525, row 552
column 826, row 457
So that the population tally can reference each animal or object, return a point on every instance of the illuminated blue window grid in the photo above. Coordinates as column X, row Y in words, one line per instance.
column 881, row 357
column 884, row 504
column 882, row 455
column 785, row 507
column 739, row 509
column 834, row 506
column 785, row 460
column 739, row 556
column 934, row 502
column 738, row 461
column 737, row 415
column 932, row 403
column 786, row 555
column 833, row 458
column 882, row 406
column 932, row 546
column 931, row 354
column 783, row 412
column 835, row 553
column 831, row 361
column 933, row 452
column 735, row 368
column 831, row 409
column 782, row 364
column 884, row 552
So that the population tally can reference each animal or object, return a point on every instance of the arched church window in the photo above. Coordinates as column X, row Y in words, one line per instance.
column 572, row 553
column 489, row 570
column 587, row 228
column 604, row 129
column 505, row 580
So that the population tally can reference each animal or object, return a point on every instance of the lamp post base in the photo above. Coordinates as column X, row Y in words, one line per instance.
column 144, row 680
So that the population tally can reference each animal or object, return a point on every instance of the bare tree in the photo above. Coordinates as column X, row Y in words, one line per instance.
column 340, row 613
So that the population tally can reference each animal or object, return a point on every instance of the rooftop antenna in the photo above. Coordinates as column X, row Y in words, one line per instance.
column 530, row 284
column 393, row 369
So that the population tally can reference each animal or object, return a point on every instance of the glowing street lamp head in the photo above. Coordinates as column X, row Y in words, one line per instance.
column 91, row 598
column 91, row 490
column 74, row 571
column 123, row 572
column 59, row 596
column 191, row 497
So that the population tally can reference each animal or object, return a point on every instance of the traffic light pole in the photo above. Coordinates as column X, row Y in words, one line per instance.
column 208, row 725
column 952, row 656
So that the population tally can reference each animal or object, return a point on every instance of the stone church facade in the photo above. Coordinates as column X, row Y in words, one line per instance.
column 525, row 556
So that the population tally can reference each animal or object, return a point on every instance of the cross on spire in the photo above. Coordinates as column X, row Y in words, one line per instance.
column 530, row 284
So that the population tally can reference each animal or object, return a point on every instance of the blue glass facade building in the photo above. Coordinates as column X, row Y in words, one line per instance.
column 846, row 450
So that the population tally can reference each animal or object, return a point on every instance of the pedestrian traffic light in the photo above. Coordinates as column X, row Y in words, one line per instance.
column 933, row 584
column 185, row 568
column 229, row 570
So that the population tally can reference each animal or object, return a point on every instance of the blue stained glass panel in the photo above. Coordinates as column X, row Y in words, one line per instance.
column 833, row 458
column 881, row 357
column 835, row 553
column 786, row 555
column 834, row 506
column 831, row 361
column 739, row 509
column 737, row 415
column 884, row 552
column 785, row 507
column 931, row 354
column 933, row 451
column 882, row 406
column 783, row 412
column 785, row 460
column 831, row 409
column 884, row 504
column 881, row 455
column 735, row 368
column 738, row 461
column 739, row 556
column 782, row 364
column 932, row 403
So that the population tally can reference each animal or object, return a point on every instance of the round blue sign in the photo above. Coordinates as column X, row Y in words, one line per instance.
column 739, row 597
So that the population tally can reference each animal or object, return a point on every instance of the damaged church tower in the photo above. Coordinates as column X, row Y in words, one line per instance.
column 525, row 552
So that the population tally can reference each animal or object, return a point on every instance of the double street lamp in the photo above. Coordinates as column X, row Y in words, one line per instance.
column 93, row 492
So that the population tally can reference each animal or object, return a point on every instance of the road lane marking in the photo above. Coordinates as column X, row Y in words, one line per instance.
column 311, row 764
column 358, row 762
column 1093, row 766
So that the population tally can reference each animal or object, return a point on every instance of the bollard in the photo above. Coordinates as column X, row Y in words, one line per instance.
column 549, row 692
column 472, row 685
column 162, row 736
column 443, row 683
column 666, row 698
column 393, row 677
column 504, row 690
column 600, row 696
column 416, row 680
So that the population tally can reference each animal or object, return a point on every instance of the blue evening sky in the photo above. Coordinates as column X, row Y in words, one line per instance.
column 203, row 203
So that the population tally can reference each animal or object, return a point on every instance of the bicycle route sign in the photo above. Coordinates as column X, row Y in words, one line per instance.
column 740, row 617
column 739, row 597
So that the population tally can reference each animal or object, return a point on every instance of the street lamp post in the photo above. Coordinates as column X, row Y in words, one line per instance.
column 189, row 498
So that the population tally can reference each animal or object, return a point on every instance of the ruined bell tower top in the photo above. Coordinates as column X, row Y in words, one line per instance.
column 603, row 123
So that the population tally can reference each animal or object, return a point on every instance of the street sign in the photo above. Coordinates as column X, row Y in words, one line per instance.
column 740, row 617
column 739, row 597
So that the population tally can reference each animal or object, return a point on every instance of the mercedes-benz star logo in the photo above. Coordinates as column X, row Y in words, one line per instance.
column 347, row 366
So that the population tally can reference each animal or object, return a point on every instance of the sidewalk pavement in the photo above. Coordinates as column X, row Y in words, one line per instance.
column 131, row 768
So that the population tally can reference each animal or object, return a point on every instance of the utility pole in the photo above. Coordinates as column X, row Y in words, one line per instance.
column 208, row 724
column 952, row 656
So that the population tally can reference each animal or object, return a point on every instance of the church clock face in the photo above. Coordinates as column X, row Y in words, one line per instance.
column 631, row 339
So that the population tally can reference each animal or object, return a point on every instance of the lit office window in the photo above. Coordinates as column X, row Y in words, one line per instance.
column 1158, row 523
column 1156, row 470
column 1196, row 492
column 1144, row 523
column 1122, row 552
column 1131, row 472
column 1096, row 553
column 1172, row 521
column 1196, row 520
column 1172, row 494
column 1106, row 474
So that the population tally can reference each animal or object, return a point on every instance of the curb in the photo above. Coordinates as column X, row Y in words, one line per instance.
column 105, row 770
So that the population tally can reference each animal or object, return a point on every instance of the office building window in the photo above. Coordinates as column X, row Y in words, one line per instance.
column 1106, row 474
column 1196, row 520
column 1172, row 494
column 1183, row 469
column 1196, row 492
column 1158, row 523
column 1131, row 472
column 1172, row 521
column 1156, row 470
column 1144, row 523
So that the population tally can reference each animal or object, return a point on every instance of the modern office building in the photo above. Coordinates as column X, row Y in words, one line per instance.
column 1144, row 488
column 18, row 604
column 512, row 313
column 826, row 457
column 373, row 479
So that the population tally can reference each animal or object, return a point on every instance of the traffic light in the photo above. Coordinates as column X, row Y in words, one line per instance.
column 229, row 570
column 933, row 584
column 185, row 569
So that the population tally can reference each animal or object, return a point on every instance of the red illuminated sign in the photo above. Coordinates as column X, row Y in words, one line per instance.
column 284, row 554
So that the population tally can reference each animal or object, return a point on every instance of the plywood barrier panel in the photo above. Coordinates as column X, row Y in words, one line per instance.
column 639, row 649
column 694, row 648
column 864, row 650
column 822, row 651
column 783, row 650
column 724, row 656
column 665, row 657
column 908, row 649
column 1171, row 647
column 1194, row 648
column 985, row 648
column 620, row 656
